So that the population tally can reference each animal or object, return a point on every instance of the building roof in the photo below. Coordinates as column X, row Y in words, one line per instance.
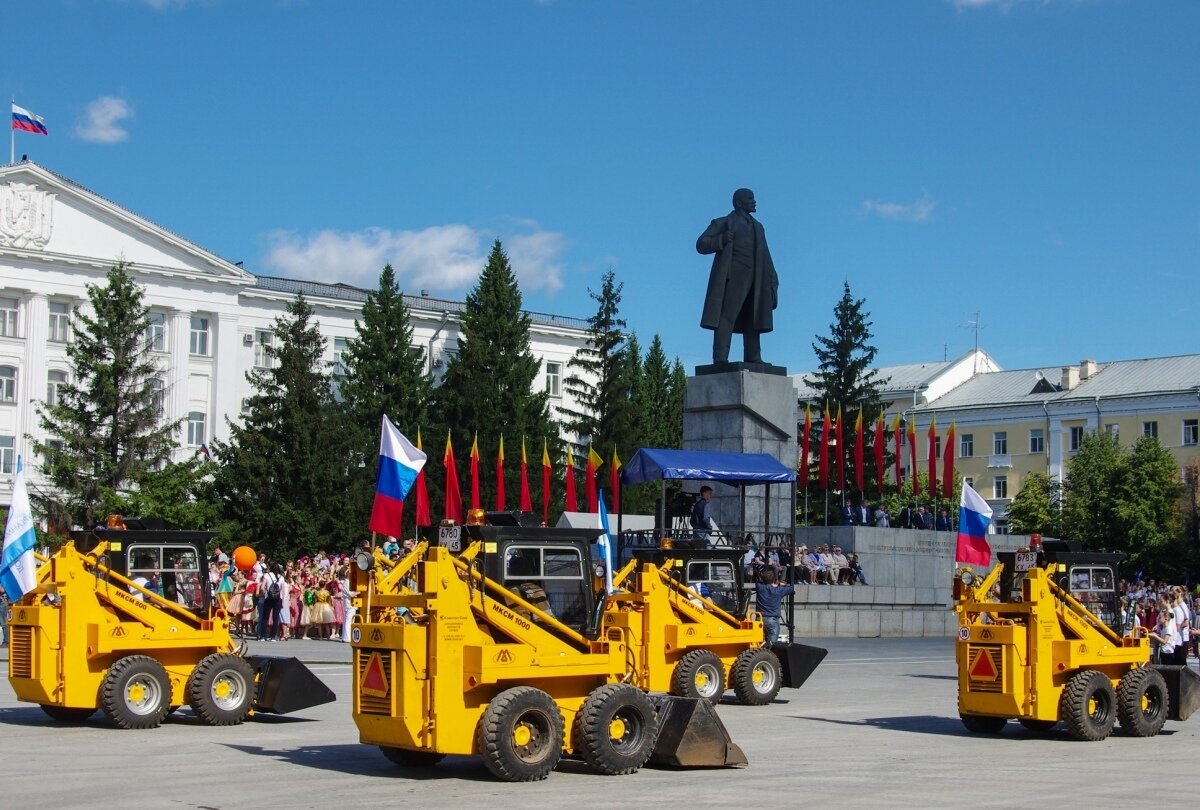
column 905, row 377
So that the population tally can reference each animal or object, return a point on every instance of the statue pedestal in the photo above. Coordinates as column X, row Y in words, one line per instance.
column 744, row 411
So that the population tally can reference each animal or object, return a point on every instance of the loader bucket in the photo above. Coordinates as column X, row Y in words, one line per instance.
column 798, row 662
column 691, row 735
column 1183, row 690
column 286, row 685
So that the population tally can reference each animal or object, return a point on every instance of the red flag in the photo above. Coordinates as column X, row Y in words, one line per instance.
column 526, row 500
column 453, row 496
column 500, row 476
column 948, row 464
column 897, row 441
column 545, row 483
column 912, row 453
column 475, row 472
column 614, row 482
column 933, row 487
column 804, row 439
column 859, row 442
column 569, row 482
column 422, row 517
column 841, row 450
column 823, row 459
column 589, row 481
column 880, row 438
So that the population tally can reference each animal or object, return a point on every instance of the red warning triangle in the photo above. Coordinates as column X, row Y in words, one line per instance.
column 983, row 669
column 374, row 681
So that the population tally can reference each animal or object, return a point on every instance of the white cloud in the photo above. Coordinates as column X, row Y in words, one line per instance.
column 919, row 210
column 1006, row 5
column 102, row 120
column 443, row 258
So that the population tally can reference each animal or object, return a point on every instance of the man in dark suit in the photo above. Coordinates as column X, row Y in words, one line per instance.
column 862, row 515
column 847, row 515
column 942, row 524
column 742, row 285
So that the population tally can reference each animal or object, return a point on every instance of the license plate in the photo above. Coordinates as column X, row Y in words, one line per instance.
column 1026, row 560
column 450, row 537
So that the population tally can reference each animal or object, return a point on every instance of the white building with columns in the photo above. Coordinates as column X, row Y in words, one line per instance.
column 210, row 318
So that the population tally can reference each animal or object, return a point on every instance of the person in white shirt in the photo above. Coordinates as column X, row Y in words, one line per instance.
column 1166, row 633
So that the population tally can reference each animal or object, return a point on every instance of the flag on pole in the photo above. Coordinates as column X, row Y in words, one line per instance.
column 823, row 459
column 804, row 440
column 589, row 481
column 859, row 442
column 453, row 495
column 422, row 517
column 545, row 483
column 399, row 466
column 475, row 472
column 18, row 568
column 841, row 450
column 571, row 503
column 896, row 440
column 933, row 487
column 912, row 454
column 974, row 515
column 526, row 498
column 604, row 545
column 948, row 464
column 500, row 476
column 880, row 438
column 614, row 481
column 25, row 121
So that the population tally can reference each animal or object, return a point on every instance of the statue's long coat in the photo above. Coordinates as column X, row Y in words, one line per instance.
column 758, row 316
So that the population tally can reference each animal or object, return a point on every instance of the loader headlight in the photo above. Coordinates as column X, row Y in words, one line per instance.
column 53, row 599
column 598, row 570
column 363, row 561
column 967, row 577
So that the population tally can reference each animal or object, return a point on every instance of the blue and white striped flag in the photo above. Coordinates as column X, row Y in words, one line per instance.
column 18, row 568
column 605, row 545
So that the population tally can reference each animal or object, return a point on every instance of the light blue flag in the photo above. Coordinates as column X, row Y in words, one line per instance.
column 605, row 544
column 18, row 568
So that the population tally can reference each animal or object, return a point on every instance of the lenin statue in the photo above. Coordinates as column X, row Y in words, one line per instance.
column 742, row 287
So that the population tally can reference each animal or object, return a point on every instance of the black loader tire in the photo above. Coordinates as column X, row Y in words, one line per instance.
column 1143, row 702
column 983, row 723
column 221, row 689
column 67, row 714
column 1037, row 726
column 1089, row 705
column 520, row 735
column 699, row 674
column 757, row 677
column 616, row 729
column 406, row 758
column 136, row 692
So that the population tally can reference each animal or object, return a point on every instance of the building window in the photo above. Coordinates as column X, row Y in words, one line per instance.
column 199, row 341
column 1000, row 486
column 1076, row 437
column 195, row 429
column 60, row 321
column 1113, row 431
column 262, row 340
column 966, row 445
column 7, row 451
column 156, row 332
column 55, row 380
column 969, row 482
column 1000, row 443
column 339, row 357
column 553, row 379
column 937, row 446
column 157, row 397
column 8, row 317
column 1037, row 441
column 1150, row 429
column 1190, row 431
column 8, row 384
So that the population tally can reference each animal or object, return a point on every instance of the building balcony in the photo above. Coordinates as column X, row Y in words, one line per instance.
column 999, row 460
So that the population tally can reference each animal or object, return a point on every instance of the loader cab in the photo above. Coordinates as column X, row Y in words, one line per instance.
column 1090, row 577
column 715, row 574
column 172, row 564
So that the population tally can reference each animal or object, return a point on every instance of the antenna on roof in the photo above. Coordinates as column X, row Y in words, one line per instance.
column 977, row 325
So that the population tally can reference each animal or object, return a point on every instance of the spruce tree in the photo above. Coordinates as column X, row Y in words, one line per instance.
column 656, row 402
column 382, row 373
column 277, row 473
column 106, row 430
column 845, row 377
column 488, row 387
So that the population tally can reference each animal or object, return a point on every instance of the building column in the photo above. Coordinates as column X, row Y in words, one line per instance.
column 227, row 374
column 179, row 333
column 31, row 382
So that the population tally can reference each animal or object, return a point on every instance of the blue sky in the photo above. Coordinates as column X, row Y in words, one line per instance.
column 1030, row 160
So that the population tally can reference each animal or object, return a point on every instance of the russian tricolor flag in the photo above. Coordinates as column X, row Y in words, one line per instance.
column 399, row 465
column 26, row 121
column 974, row 516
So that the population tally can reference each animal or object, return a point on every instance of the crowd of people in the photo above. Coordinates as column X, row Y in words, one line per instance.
column 820, row 565
column 1168, row 614
column 909, row 517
